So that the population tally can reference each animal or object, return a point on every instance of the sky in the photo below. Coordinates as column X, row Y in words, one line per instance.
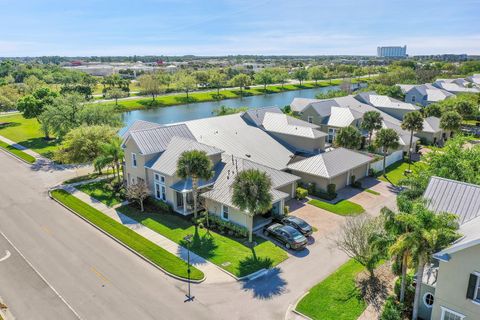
column 230, row 27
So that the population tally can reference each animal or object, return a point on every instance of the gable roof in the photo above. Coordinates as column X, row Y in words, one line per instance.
column 331, row 164
column 343, row 117
column 167, row 162
column 140, row 125
column 460, row 198
column 281, row 123
column 257, row 115
column 431, row 124
column 222, row 190
column 324, row 107
column 382, row 101
column 156, row 139
column 299, row 104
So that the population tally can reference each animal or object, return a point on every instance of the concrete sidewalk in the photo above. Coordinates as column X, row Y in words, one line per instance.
column 212, row 273
column 20, row 147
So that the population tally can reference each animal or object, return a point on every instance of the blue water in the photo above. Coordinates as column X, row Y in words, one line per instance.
column 200, row 110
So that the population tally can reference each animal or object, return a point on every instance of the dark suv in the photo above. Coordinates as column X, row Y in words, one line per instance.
column 287, row 235
column 299, row 224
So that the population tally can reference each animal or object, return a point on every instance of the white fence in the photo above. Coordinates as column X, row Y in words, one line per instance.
column 391, row 158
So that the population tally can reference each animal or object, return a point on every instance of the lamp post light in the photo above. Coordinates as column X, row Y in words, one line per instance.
column 188, row 240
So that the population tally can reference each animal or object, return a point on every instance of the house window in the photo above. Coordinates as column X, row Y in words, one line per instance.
column 160, row 192
column 413, row 98
column 224, row 212
column 473, row 289
column 448, row 314
column 134, row 160
column 164, row 193
column 428, row 299
column 159, row 178
column 310, row 119
column 331, row 135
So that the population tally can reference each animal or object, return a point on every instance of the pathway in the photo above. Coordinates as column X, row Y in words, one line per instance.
column 213, row 273
column 20, row 147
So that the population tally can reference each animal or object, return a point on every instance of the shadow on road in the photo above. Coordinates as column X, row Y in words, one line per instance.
column 268, row 286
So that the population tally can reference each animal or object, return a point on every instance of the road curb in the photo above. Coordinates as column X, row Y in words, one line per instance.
column 123, row 244
column 17, row 157
column 294, row 309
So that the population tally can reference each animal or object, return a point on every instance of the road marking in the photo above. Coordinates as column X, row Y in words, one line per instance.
column 99, row 274
column 7, row 255
column 42, row 277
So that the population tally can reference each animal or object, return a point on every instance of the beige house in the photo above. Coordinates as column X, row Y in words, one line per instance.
column 451, row 286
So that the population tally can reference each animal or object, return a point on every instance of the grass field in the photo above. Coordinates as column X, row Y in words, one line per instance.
column 373, row 192
column 395, row 172
column 343, row 207
column 226, row 252
column 100, row 190
column 181, row 98
column 148, row 249
column 27, row 133
column 335, row 298
column 19, row 153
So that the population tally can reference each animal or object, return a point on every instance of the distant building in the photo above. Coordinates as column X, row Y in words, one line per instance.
column 392, row 52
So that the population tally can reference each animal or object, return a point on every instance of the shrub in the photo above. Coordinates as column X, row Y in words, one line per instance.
column 286, row 209
column 331, row 189
column 391, row 310
column 221, row 225
column 409, row 290
column 357, row 184
column 301, row 193
column 325, row 195
column 312, row 187
column 353, row 179
column 158, row 205
column 371, row 172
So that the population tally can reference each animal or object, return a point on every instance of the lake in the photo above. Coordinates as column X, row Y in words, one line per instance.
column 192, row 111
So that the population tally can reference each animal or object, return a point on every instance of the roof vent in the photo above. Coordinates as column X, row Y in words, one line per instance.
column 248, row 155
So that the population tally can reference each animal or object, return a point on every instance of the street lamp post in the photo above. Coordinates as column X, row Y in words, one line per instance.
column 188, row 239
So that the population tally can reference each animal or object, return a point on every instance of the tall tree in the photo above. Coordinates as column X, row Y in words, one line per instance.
column 412, row 121
column 138, row 192
column 348, row 137
column 280, row 75
column 217, row 80
column 301, row 74
column 194, row 165
column 386, row 139
column 151, row 84
column 372, row 120
column 316, row 73
column 115, row 93
column 252, row 194
column 112, row 153
column 264, row 76
column 186, row 83
column 241, row 80
column 451, row 121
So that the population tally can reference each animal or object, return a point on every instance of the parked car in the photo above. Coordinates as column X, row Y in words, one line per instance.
column 287, row 235
column 299, row 224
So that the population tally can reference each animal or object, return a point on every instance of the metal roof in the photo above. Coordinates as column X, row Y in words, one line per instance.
column 431, row 124
column 140, row 125
column 235, row 136
column 167, row 162
column 257, row 115
column 382, row 101
column 299, row 104
column 222, row 190
column 156, row 139
column 460, row 198
column 187, row 184
column 342, row 117
column 331, row 164
column 281, row 123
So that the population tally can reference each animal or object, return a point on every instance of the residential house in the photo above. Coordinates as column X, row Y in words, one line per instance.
column 391, row 106
column 425, row 94
column 456, row 86
column 451, row 286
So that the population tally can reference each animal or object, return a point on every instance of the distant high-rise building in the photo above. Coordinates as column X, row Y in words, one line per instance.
column 392, row 52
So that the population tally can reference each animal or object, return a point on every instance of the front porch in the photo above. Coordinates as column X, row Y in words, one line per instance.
column 260, row 221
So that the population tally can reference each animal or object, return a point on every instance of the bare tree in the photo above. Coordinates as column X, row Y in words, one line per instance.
column 355, row 240
column 138, row 192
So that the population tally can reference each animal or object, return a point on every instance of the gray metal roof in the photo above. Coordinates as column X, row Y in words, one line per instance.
column 167, row 162
column 431, row 124
column 460, row 198
column 235, row 136
column 385, row 102
column 140, row 125
column 156, row 139
column 299, row 104
column 342, row 117
column 281, row 123
column 222, row 190
column 323, row 107
column 186, row 184
column 331, row 164
column 256, row 116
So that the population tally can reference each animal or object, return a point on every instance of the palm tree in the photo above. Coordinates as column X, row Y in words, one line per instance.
column 412, row 121
column 195, row 165
column 451, row 121
column 110, row 153
column 426, row 232
column 386, row 139
column 251, row 193
column 372, row 120
column 348, row 137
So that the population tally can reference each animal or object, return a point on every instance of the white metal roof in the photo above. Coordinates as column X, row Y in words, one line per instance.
column 281, row 123
column 342, row 117
column 167, row 162
column 299, row 104
column 431, row 124
column 331, row 164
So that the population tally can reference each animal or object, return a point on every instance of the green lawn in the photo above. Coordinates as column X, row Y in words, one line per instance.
column 224, row 251
column 86, row 177
column 343, row 207
column 395, row 172
column 181, row 98
column 148, row 249
column 373, row 192
column 19, row 153
column 100, row 190
column 27, row 133
column 336, row 297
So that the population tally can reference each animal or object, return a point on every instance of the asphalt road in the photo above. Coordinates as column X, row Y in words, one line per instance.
column 97, row 277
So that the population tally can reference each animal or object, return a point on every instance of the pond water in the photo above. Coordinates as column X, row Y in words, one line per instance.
column 192, row 111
